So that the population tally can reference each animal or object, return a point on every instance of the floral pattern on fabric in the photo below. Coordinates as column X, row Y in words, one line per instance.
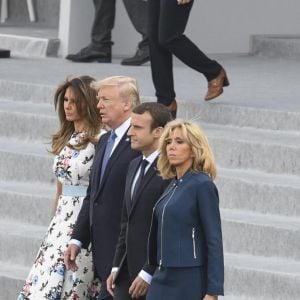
column 48, row 277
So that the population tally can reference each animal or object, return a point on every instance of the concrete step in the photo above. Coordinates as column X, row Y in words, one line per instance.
column 25, row 161
column 260, row 192
column 22, row 91
column 247, row 148
column 214, row 112
column 11, row 279
column 262, row 278
column 30, row 202
column 261, row 234
column 275, row 45
column 29, row 42
column 268, row 151
column 240, row 116
column 16, row 236
column 27, row 120
column 249, row 277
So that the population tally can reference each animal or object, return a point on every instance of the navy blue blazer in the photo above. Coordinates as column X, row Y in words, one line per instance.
column 190, row 233
column 99, row 218
column 136, row 219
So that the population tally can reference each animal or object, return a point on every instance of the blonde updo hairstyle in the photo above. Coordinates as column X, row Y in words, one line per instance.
column 203, row 158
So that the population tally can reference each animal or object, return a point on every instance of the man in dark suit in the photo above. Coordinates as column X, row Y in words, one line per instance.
column 100, row 47
column 131, row 275
column 98, row 222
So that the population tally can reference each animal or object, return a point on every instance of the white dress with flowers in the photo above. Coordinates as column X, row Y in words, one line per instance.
column 48, row 277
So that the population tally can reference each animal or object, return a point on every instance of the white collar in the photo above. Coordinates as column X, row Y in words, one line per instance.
column 122, row 129
column 151, row 158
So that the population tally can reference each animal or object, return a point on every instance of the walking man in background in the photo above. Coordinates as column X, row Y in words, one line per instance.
column 131, row 275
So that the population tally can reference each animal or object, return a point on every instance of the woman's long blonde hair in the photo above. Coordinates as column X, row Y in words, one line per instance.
column 86, row 104
column 203, row 158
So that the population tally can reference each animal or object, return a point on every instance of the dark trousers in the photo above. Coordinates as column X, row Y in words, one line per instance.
column 103, row 293
column 104, row 20
column 166, row 24
column 122, row 285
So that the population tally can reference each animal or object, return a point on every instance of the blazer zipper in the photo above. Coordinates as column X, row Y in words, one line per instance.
column 153, row 211
column 161, row 229
column 194, row 243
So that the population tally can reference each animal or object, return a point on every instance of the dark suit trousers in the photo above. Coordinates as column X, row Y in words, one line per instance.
column 166, row 24
column 122, row 285
column 104, row 19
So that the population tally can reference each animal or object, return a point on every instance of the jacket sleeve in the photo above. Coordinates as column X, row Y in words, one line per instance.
column 121, row 245
column 208, row 207
column 81, row 231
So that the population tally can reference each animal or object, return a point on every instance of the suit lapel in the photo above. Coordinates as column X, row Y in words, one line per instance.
column 122, row 145
column 131, row 177
column 148, row 176
column 98, row 159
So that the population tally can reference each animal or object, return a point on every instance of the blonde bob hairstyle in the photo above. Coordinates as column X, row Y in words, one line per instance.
column 128, row 88
column 203, row 158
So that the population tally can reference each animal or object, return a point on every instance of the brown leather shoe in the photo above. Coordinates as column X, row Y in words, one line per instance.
column 215, row 86
column 173, row 108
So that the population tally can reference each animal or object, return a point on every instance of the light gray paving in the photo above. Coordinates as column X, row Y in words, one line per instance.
column 34, row 201
column 255, row 82
column 261, row 277
column 260, row 192
column 276, row 45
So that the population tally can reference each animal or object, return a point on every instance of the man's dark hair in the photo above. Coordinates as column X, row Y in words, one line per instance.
column 160, row 114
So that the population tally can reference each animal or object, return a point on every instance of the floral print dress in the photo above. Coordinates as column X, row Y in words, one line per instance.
column 48, row 277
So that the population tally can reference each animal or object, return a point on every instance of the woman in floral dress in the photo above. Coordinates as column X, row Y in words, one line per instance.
column 74, row 147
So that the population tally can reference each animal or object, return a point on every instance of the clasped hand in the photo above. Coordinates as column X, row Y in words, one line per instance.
column 182, row 2
column 70, row 256
column 138, row 288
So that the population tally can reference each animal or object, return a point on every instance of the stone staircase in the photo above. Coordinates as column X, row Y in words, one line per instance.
column 257, row 151
column 29, row 42
column 275, row 46
column 27, row 188
column 259, row 183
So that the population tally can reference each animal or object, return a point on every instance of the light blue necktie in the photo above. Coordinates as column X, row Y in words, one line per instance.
column 109, row 146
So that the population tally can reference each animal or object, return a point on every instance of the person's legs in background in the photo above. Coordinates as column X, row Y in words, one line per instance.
column 174, row 19
column 100, row 47
column 172, row 22
column 138, row 14
column 161, row 59
column 104, row 21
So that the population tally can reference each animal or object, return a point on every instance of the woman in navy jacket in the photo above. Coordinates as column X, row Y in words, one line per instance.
column 185, row 241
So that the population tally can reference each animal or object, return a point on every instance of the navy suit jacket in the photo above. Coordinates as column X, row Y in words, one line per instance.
column 190, row 234
column 136, row 219
column 99, row 218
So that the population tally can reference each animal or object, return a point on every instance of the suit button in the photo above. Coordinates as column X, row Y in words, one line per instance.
column 96, row 203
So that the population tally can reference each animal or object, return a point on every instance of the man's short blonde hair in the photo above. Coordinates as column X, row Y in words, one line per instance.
column 128, row 88
column 203, row 158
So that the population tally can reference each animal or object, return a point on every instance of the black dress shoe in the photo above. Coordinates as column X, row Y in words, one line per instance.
column 4, row 53
column 140, row 57
column 88, row 55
